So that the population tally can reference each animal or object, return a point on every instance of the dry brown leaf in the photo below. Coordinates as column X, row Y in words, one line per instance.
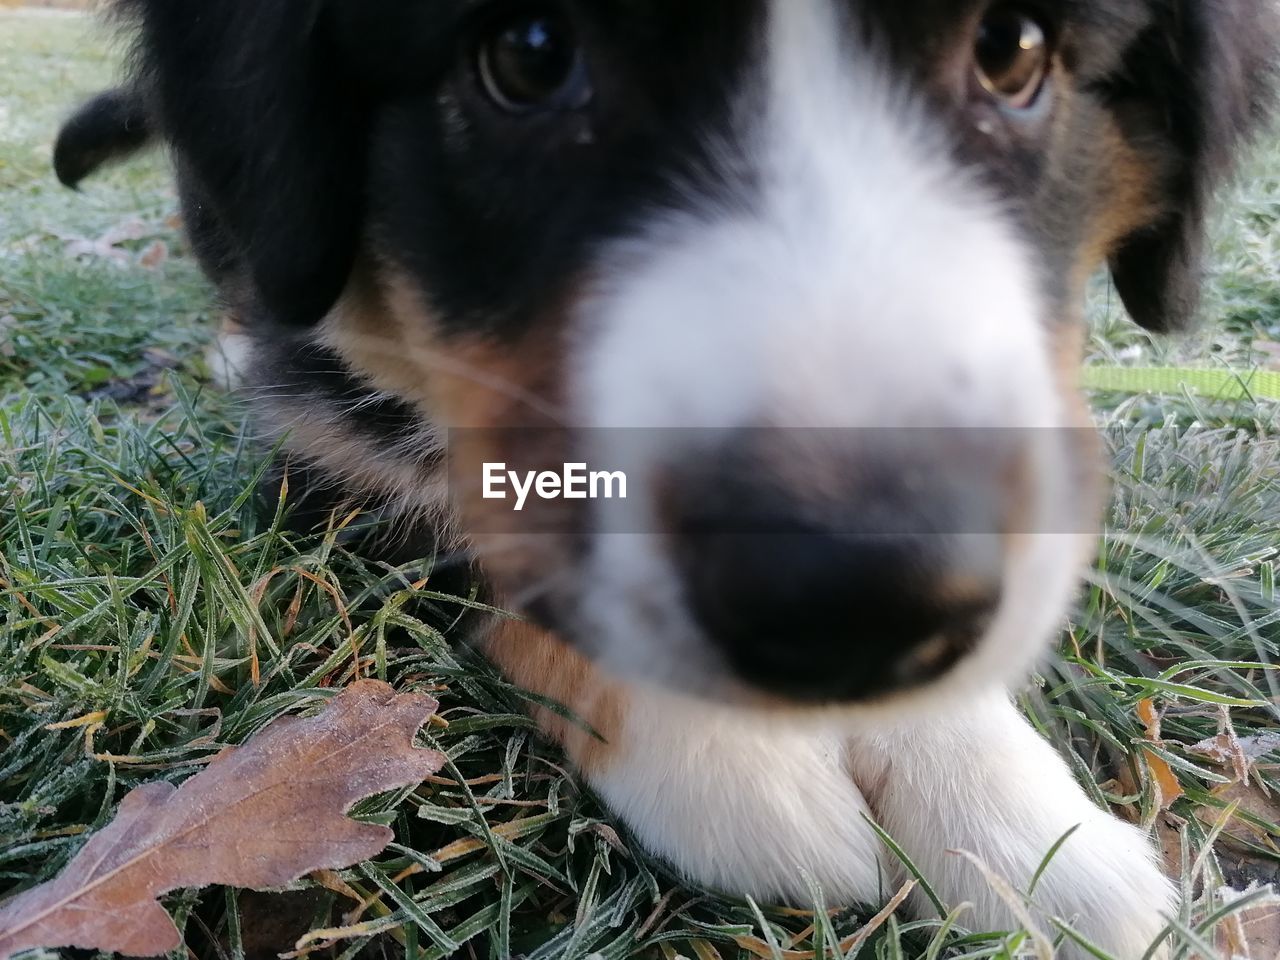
column 1239, row 754
column 107, row 245
column 1226, row 749
column 1150, row 718
column 1169, row 836
column 258, row 816
column 1247, row 799
column 1260, row 928
column 155, row 256
column 1166, row 780
column 1254, row 933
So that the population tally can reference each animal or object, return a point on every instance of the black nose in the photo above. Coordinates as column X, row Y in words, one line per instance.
column 885, row 596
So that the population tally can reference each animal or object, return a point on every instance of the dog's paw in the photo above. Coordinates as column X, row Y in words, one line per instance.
column 739, row 806
column 1106, row 884
column 985, row 782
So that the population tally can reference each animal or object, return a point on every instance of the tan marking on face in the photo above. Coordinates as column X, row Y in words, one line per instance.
column 541, row 664
column 389, row 349
column 1085, row 456
column 1126, row 201
column 385, row 331
column 1068, row 353
column 490, row 401
column 486, row 391
column 366, row 469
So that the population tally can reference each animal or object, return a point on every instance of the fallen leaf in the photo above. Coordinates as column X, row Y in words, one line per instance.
column 1150, row 718
column 1241, row 754
column 155, row 256
column 1257, row 747
column 1169, row 828
column 1165, row 779
column 1261, row 929
column 258, row 816
column 158, row 357
column 1254, row 933
column 106, row 246
column 132, row 229
column 1167, row 786
column 1227, row 749
column 1250, row 800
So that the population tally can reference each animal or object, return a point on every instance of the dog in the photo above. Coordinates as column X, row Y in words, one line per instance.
column 813, row 270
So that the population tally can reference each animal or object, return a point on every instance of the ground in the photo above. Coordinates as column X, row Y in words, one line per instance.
column 149, row 615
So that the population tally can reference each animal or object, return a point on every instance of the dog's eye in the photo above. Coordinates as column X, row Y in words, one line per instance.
column 532, row 61
column 1012, row 56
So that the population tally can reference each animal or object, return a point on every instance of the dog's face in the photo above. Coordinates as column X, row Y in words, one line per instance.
column 809, row 271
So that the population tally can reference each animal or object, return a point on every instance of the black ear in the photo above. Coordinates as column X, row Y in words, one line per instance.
column 253, row 97
column 111, row 126
column 1197, row 84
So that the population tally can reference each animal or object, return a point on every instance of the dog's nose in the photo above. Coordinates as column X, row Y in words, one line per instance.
column 840, row 610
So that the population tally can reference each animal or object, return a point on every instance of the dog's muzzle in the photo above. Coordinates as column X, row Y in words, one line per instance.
column 872, row 568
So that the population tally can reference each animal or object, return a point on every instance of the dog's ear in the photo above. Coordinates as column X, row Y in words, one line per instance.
column 1196, row 84
column 254, row 98
column 111, row 126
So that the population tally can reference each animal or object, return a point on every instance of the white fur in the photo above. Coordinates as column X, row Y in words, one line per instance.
column 738, row 803
column 748, row 804
column 869, row 282
column 229, row 358
column 982, row 780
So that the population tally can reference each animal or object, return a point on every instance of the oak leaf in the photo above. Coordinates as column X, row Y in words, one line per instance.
column 259, row 816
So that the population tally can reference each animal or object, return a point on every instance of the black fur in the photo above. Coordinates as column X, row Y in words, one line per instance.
column 320, row 140
column 307, row 131
column 271, row 136
column 1197, row 82
column 111, row 126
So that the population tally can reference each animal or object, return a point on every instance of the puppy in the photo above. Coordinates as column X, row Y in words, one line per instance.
column 811, row 271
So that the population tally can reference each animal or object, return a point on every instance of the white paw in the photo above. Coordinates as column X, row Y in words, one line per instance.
column 741, row 806
column 229, row 355
column 1106, row 883
column 983, row 781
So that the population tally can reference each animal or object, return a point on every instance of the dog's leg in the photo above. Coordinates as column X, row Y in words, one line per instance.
column 740, row 806
column 982, row 780
column 733, row 801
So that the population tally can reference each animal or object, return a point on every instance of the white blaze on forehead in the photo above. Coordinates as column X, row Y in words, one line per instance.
column 867, row 281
